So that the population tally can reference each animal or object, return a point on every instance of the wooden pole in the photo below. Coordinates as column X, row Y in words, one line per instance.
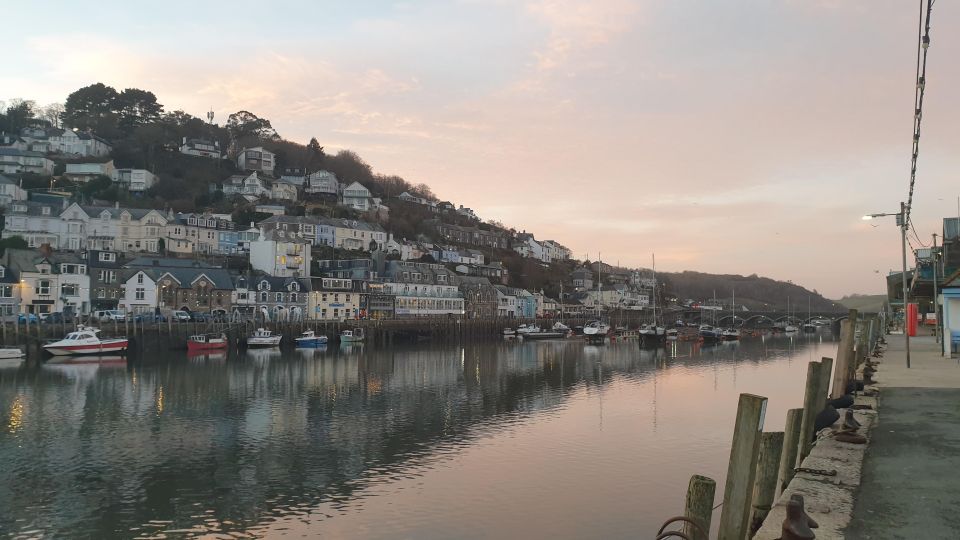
column 699, row 506
column 844, row 357
column 742, row 468
column 826, row 372
column 765, row 486
column 811, row 406
column 791, row 447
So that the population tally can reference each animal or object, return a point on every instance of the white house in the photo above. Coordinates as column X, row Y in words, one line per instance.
column 37, row 223
column 139, row 293
column 349, row 234
column 357, row 197
column 13, row 160
column 528, row 247
column 49, row 282
column 134, row 180
column 81, row 143
column 467, row 212
column 84, row 172
column 201, row 148
column 249, row 186
column 280, row 254
column 10, row 191
column 322, row 183
column 508, row 305
column 554, row 251
column 283, row 191
column 256, row 159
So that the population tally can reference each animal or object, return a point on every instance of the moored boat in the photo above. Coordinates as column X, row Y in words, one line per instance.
column 351, row 336
column 263, row 338
column 709, row 333
column 730, row 334
column 535, row 332
column 10, row 352
column 207, row 342
column 310, row 339
column 85, row 340
column 596, row 329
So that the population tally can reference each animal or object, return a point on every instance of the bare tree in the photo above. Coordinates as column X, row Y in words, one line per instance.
column 52, row 113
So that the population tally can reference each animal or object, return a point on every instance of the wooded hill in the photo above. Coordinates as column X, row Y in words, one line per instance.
column 755, row 292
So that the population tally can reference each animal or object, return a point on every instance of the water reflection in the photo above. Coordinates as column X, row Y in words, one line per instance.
column 506, row 439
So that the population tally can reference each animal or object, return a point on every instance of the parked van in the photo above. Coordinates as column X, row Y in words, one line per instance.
column 110, row 315
column 180, row 316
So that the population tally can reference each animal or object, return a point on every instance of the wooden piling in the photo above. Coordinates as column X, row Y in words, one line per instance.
column 844, row 358
column 765, row 485
column 791, row 447
column 826, row 372
column 811, row 406
column 699, row 506
column 742, row 467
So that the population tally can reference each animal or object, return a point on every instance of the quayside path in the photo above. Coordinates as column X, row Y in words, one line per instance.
column 910, row 484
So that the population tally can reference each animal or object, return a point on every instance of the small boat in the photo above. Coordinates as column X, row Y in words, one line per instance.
column 207, row 342
column 596, row 329
column 263, row 338
column 351, row 336
column 672, row 334
column 525, row 329
column 310, row 339
column 85, row 341
column 789, row 328
column 709, row 333
column 10, row 352
column 560, row 327
column 730, row 334
column 509, row 332
column 535, row 332
column 809, row 328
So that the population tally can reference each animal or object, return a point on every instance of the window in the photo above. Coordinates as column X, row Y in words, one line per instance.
column 140, row 278
column 101, row 293
column 140, row 293
column 69, row 289
column 263, row 296
column 108, row 257
column 279, row 297
column 241, row 296
column 6, row 291
column 107, row 276
column 43, row 287
column 3, row 271
column 45, row 211
column 293, row 296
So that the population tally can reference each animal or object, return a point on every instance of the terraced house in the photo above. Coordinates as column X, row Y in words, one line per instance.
column 422, row 289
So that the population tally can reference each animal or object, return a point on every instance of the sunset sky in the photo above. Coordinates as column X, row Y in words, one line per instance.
column 729, row 137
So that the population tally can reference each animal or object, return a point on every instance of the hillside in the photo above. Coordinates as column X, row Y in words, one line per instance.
column 864, row 302
column 754, row 292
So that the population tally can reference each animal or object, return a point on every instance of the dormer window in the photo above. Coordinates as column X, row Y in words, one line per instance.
column 264, row 286
column 19, row 208
column 294, row 286
column 107, row 257
column 3, row 272
column 45, row 210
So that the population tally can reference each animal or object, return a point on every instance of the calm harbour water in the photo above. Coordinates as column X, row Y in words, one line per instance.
column 499, row 440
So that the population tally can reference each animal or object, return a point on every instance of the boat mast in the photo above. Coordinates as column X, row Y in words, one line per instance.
column 653, row 258
column 599, row 279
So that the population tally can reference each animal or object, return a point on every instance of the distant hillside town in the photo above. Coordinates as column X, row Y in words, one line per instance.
column 111, row 203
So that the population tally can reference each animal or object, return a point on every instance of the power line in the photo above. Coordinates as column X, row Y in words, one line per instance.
column 923, row 43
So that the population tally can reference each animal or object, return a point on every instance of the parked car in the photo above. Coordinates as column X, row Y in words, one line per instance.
column 110, row 315
column 24, row 317
column 196, row 316
column 180, row 316
column 150, row 317
column 58, row 317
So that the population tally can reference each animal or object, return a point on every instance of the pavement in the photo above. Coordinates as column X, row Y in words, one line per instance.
column 909, row 483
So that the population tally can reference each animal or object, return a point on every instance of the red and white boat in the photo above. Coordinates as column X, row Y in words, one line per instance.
column 85, row 341
column 207, row 342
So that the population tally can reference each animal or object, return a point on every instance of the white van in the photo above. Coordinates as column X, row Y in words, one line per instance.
column 110, row 315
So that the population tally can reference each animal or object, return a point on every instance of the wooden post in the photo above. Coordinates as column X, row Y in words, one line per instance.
column 699, row 506
column 844, row 358
column 826, row 372
column 811, row 406
column 765, row 486
column 791, row 447
column 742, row 468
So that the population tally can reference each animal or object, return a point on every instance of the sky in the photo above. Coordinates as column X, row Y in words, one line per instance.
column 729, row 137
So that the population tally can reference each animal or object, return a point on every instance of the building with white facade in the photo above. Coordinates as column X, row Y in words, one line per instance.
column 49, row 282
column 201, row 148
column 357, row 197
column 84, row 172
column 134, row 180
column 37, row 223
column 251, row 186
column 423, row 289
column 256, row 159
column 139, row 292
column 283, row 191
column 281, row 255
column 350, row 234
column 14, row 161
column 333, row 299
column 323, row 183
column 528, row 247
column 10, row 191
column 555, row 251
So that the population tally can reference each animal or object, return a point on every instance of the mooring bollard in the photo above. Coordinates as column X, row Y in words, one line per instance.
column 765, row 486
column 791, row 447
column 699, row 506
column 742, row 468
column 811, row 406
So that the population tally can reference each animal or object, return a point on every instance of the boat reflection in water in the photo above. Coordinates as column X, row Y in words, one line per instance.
column 263, row 356
column 215, row 356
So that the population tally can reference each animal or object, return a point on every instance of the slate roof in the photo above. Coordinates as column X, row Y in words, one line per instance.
column 34, row 209
column 279, row 283
column 165, row 262
column 14, row 152
column 6, row 180
column 135, row 213
column 220, row 278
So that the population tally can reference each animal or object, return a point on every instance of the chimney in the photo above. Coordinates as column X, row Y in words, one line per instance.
column 45, row 249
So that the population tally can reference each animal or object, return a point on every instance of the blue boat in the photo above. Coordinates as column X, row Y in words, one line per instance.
column 310, row 339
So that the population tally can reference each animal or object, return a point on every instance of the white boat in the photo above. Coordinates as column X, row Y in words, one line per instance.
column 789, row 328
column 351, row 336
column 709, row 333
column 560, row 327
column 85, row 341
column 509, row 332
column 10, row 352
column 263, row 338
column 535, row 332
column 730, row 334
column 596, row 329
column 524, row 329
column 672, row 334
column 310, row 339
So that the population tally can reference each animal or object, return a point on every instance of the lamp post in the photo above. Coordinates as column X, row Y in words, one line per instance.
column 902, row 223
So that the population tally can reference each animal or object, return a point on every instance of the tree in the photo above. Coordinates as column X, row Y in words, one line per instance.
column 18, row 115
column 52, row 113
column 13, row 242
column 244, row 125
column 424, row 191
column 314, row 153
column 86, row 107
column 137, row 107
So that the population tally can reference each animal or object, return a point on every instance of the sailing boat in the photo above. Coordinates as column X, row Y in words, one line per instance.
column 809, row 327
column 559, row 326
column 787, row 327
column 708, row 332
column 597, row 329
column 732, row 334
column 653, row 334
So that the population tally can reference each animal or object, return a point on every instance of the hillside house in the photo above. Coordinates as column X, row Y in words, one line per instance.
column 257, row 158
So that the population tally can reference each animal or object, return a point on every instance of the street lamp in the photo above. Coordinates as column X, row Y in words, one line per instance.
column 902, row 223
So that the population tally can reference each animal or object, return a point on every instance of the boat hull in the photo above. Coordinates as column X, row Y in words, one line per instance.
column 304, row 343
column 543, row 335
column 8, row 353
column 263, row 343
column 193, row 346
column 105, row 346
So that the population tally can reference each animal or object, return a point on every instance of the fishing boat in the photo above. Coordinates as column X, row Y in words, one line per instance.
column 263, row 338
column 10, row 352
column 310, row 339
column 535, row 332
column 732, row 333
column 207, row 342
column 86, row 341
column 351, row 336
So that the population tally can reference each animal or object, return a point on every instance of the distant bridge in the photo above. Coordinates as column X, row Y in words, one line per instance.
column 751, row 318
